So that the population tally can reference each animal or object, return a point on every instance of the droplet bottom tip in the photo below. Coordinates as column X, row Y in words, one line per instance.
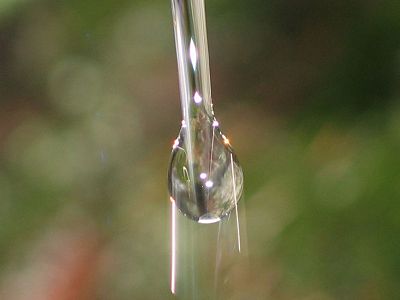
column 206, row 219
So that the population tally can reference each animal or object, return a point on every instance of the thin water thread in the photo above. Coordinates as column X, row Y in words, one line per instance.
column 189, row 20
column 173, row 255
column 211, row 158
column 217, row 258
column 236, row 209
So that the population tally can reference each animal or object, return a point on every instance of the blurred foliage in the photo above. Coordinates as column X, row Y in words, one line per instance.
column 308, row 90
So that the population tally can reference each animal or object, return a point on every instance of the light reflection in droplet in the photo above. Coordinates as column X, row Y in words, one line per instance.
column 197, row 98
column 176, row 143
column 193, row 54
column 207, row 220
column 226, row 140
column 209, row 184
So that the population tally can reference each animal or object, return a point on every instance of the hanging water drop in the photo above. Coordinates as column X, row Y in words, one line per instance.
column 207, row 182
column 205, row 179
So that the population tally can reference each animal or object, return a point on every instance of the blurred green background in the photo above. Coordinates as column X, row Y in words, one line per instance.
column 307, row 91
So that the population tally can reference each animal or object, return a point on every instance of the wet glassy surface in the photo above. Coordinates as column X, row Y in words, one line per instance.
column 206, row 184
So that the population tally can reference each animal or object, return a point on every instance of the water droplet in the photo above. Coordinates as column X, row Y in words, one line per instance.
column 202, row 182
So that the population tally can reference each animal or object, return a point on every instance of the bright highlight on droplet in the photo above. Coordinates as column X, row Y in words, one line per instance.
column 226, row 141
column 208, row 220
column 193, row 54
column 197, row 98
column 215, row 123
column 176, row 143
column 209, row 184
column 203, row 176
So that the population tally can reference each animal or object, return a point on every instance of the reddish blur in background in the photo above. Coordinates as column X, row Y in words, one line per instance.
column 307, row 91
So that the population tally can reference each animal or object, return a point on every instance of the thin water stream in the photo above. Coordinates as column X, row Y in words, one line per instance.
column 205, row 179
